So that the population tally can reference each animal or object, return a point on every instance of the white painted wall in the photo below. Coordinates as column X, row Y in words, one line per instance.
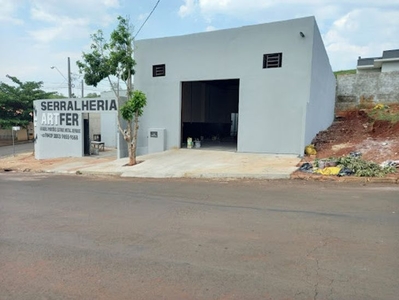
column 272, row 102
column 390, row 66
column 109, row 129
column 94, row 124
column 320, row 108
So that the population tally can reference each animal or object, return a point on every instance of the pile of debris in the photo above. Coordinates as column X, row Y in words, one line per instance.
column 351, row 164
column 362, row 142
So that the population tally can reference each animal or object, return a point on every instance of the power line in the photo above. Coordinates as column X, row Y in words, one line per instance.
column 145, row 21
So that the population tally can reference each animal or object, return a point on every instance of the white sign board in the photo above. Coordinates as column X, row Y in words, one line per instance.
column 16, row 128
column 59, row 125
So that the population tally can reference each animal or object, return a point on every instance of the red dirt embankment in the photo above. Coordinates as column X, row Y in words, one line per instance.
column 355, row 130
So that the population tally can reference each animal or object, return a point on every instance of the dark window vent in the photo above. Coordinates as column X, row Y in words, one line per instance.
column 272, row 60
column 158, row 70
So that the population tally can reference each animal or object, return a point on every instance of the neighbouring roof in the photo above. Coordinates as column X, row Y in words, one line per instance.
column 391, row 53
column 376, row 62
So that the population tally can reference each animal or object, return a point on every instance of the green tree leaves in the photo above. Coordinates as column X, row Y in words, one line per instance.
column 96, row 65
column 16, row 101
column 135, row 104
column 115, row 58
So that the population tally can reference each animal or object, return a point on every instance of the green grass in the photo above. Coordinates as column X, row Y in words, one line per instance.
column 344, row 72
column 384, row 115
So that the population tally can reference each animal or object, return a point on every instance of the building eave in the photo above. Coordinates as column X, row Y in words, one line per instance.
column 378, row 62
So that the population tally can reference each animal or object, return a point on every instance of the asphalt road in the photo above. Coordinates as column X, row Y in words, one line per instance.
column 19, row 148
column 96, row 238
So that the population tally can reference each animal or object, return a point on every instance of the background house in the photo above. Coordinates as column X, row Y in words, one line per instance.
column 274, row 79
column 388, row 62
column 376, row 81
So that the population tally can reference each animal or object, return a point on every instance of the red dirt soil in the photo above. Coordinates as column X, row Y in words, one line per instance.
column 355, row 130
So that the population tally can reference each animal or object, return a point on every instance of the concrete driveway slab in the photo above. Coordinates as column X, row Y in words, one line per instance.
column 195, row 163
column 179, row 163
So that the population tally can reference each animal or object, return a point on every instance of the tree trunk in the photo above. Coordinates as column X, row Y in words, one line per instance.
column 130, row 141
column 134, row 138
column 132, row 156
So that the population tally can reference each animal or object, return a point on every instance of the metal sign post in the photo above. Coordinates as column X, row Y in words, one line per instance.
column 14, row 128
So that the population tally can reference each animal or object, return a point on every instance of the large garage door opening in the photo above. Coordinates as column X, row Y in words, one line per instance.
column 210, row 114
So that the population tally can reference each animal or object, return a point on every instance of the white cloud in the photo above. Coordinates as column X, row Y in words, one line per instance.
column 61, row 27
column 41, row 15
column 210, row 28
column 142, row 17
column 111, row 3
column 64, row 29
column 64, row 24
column 349, row 22
column 326, row 9
column 46, row 35
column 98, row 12
column 7, row 11
column 238, row 6
column 361, row 32
column 232, row 7
column 187, row 8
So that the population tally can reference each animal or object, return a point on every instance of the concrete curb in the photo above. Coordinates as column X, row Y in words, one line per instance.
column 239, row 176
column 3, row 144
column 312, row 177
column 213, row 176
column 294, row 176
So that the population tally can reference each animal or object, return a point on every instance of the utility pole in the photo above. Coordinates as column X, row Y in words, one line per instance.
column 83, row 94
column 69, row 79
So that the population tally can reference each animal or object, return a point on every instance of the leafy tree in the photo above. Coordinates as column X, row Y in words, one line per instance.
column 57, row 95
column 92, row 95
column 16, row 101
column 112, row 59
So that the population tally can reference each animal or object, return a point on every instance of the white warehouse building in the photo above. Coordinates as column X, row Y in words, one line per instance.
column 273, row 79
column 265, row 88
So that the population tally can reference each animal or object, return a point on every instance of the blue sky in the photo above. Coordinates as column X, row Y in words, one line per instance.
column 38, row 34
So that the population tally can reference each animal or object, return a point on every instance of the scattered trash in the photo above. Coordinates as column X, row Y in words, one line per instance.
column 349, row 165
column 329, row 171
column 306, row 167
column 380, row 106
column 321, row 164
column 345, row 172
column 390, row 163
column 331, row 163
column 310, row 150
column 355, row 154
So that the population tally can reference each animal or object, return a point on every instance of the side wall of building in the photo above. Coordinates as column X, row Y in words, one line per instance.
column 353, row 89
column 272, row 102
column 320, row 108
column 392, row 66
